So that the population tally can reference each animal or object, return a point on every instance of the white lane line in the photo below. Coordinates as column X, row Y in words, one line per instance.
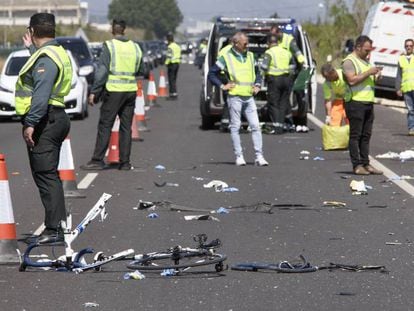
column 404, row 185
column 87, row 180
column 39, row 230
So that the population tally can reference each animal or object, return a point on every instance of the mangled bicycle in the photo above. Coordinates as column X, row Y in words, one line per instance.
column 180, row 259
column 74, row 261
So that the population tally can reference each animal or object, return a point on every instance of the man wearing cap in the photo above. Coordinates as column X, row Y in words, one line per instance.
column 40, row 89
column 118, row 67
column 172, row 62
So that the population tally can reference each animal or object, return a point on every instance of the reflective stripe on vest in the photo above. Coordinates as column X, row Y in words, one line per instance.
column 241, row 73
column 174, row 54
column 407, row 68
column 364, row 91
column 61, row 88
column 125, row 61
column 280, row 58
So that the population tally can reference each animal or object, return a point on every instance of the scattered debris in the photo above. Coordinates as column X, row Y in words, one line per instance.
column 222, row 210
column 91, row 304
column 346, row 176
column 334, row 204
column 377, row 206
column 403, row 156
column 358, row 187
column 168, row 272
column 228, row 189
column 304, row 155
column 393, row 243
column 166, row 184
column 200, row 217
column 318, row 158
column 160, row 167
column 153, row 215
column 218, row 185
column 136, row 275
column 402, row 177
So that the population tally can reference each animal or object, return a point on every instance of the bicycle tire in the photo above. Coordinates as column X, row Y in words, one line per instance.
column 155, row 261
column 255, row 267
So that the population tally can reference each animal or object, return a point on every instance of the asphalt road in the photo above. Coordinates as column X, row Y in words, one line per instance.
column 357, row 234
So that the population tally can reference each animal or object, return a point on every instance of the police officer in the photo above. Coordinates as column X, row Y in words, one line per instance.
column 118, row 67
column 276, row 67
column 359, row 104
column 288, row 42
column 244, row 82
column 173, row 63
column 404, row 82
column 41, row 86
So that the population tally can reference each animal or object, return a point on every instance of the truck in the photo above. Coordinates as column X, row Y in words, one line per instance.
column 388, row 24
column 257, row 30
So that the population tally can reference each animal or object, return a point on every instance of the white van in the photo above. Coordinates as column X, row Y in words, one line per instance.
column 257, row 29
column 388, row 24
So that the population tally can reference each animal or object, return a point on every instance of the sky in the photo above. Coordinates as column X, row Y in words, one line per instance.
column 205, row 10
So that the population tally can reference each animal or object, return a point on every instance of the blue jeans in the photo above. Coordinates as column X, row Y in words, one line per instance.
column 409, row 102
column 239, row 105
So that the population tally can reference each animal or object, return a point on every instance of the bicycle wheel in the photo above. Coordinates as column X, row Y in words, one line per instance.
column 178, row 260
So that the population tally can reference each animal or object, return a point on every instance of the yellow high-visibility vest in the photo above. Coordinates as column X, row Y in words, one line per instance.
column 280, row 59
column 61, row 88
column 241, row 73
column 407, row 79
column 173, row 54
column 125, row 61
column 364, row 91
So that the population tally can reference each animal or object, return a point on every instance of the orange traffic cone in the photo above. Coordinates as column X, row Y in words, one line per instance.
column 151, row 90
column 66, row 169
column 140, row 109
column 134, row 131
column 8, row 243
column 162, row 87
column 113, row 149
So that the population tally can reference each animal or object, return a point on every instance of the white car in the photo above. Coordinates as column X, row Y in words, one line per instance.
column 75, row 102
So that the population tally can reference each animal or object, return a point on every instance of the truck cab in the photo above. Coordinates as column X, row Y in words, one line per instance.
column 388, row 24
column 257, row 30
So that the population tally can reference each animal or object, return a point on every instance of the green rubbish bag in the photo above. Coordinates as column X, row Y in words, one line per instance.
column 335, row 137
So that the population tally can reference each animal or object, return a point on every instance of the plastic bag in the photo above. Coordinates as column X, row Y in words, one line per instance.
column 335, row 137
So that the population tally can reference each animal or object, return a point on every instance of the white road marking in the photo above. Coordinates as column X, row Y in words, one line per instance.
column 404, row 185
column 87, row 180
column 39, row 230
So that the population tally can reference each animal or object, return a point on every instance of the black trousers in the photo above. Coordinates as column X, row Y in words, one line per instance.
column 121, row 104
column 278, row 89
column 361, row 119
column 44, row 160
column 172, row 70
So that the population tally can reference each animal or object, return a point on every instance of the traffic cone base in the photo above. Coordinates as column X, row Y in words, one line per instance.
column 140, row 110
column 151, row 90
column 162, row 87
column 9, row 253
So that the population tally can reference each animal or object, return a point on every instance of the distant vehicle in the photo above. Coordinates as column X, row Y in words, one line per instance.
column 186, row 47
column 147, row 62
column 388, row 24
column 157, row 49
column 75, row 102
column 257, row 30
column 96, row 49
column 82, row 54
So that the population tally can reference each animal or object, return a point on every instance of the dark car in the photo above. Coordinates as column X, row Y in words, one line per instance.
column 147, row 62
column 82, row 54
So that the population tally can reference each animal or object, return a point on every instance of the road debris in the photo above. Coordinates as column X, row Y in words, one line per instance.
column 136, row 275
column 200, row 217
column 358, row 187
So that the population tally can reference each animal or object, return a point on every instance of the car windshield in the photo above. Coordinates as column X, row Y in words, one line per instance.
column 15, row 64
column 78, row 49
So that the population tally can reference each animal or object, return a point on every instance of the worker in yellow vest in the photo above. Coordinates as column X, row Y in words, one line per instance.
column 244, row 82
column 288, row 42
column 334, row 88
column 172, row 62
column 275, row 66
column 404, row 83
column 115, row 78
column 359, row 104
column 42, row 84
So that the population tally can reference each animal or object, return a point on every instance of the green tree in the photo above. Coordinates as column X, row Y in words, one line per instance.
column 156, row 16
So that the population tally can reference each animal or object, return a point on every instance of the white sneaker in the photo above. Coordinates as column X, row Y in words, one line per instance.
column 305, row 129
column 298, row 128
column 260, row 161
column 240, row 161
